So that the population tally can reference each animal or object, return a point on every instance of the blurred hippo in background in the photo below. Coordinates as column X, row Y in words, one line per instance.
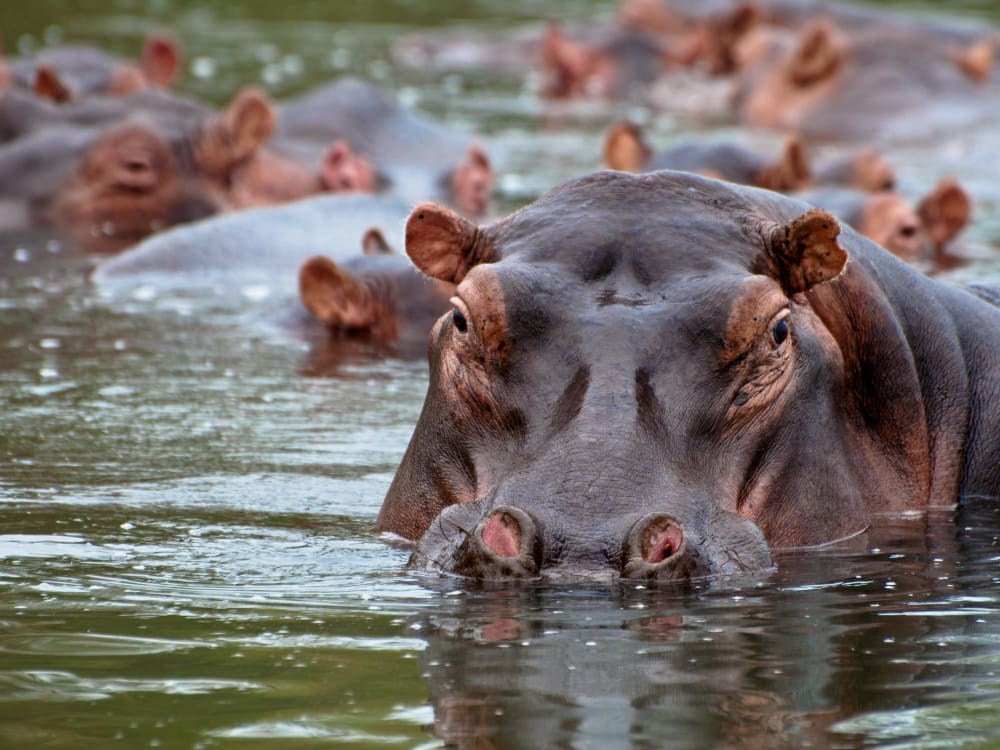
column 387, row 146
column 664, row 377
column 918, row 234
column 626, row 150
column 65, row 73
column 379, row 297
column 303, row 259
column 886, row 83
column 107, row 186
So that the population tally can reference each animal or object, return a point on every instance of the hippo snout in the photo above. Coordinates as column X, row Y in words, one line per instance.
column 485, row 540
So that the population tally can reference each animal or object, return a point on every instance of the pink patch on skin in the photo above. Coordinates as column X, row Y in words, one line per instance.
column 502, row 535
column 663, row 544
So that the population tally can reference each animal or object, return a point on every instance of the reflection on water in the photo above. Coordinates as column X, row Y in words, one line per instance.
column 187, row 496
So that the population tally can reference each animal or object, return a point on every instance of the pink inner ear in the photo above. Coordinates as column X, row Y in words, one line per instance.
column 502, row 535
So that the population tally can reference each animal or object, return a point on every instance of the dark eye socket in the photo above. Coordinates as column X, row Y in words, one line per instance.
column 780, row 332
column 459, row 321
column 908, row 231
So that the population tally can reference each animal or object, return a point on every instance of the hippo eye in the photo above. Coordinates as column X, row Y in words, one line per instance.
column 780, row 332
column 459, row 321
column 908, row 231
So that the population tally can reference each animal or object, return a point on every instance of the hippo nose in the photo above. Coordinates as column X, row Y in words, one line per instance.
column 656, row 548
column 505, row 544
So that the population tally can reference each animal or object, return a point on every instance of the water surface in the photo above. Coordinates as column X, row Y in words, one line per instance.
column 187, row 495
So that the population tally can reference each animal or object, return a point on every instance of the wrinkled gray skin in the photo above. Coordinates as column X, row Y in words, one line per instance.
column 581, row 397
column 255, row 246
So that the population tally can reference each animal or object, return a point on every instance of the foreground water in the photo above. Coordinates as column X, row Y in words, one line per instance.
column 187, row 496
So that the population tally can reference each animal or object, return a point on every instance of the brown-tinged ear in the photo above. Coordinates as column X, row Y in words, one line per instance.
column 4, row 69
column 723, row 35
column 443, row 244
column 334, row 296
column 817, row 56
column 625, row 149
column 945, row 212
column 246, row 124
column 48, row 85
column 791, row 172
column 161, row 60
column 375, row 243
column 977, row 60
column 803, row 253
column 567, row 61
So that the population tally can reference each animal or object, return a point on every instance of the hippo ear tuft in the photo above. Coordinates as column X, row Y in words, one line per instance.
column 804, row 252
column 625, row 149
column 334, row 296
column 375, row 243
column 48, row 85
column 817, row 56
column 945, row 212
column 443, row 244
column 247, row 123
column 161, row 60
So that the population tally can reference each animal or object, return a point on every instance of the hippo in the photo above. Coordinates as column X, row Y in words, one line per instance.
column 626, row 150
column 70, row 72
column 886, row 83
column 665, row 377
column 379, row 297
column 402, row 152
column 107, row 186
column 919, row 234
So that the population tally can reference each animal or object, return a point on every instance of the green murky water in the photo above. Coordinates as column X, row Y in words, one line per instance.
column 186, row 554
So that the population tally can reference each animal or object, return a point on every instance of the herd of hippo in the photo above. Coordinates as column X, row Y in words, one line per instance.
column 661, row 371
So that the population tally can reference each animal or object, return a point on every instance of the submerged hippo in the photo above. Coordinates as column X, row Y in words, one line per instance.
column 664, row 376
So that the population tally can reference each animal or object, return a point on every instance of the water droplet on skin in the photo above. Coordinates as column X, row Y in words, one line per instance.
column 49, row 343
column 203, row 67
column 22, row 255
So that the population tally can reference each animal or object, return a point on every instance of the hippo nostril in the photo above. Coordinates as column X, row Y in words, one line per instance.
column 506, row 544
column 659, row 544
column 501, row 533
column 657, row 549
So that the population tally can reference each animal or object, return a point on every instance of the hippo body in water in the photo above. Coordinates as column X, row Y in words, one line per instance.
column 664, row 377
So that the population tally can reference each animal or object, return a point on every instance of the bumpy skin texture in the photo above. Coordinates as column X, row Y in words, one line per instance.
column 663, row 376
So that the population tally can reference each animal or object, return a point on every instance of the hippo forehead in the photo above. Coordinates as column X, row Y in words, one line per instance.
column 660, row 225
column 616, row 246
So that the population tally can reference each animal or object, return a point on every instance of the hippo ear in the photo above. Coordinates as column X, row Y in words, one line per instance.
column 817, row 56
column 48, row 85
column 803, row 253
column 568, row 61
column 334, row 296
column 246, row 124
column 624, row 148
column 945, row 212
column 375, row 243
column 443, row 244
column 160, row 60
column 977, row 60
column 792, row 172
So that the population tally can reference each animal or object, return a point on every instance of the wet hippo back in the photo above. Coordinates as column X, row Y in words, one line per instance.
column 258, row 245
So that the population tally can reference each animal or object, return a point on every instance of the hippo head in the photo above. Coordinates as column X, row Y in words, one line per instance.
column 139, row 177
column 654, row 377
